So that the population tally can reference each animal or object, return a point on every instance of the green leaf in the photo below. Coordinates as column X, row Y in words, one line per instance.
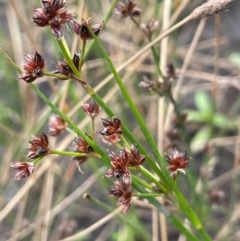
column 221, row 121
column 200, row 138
column 203, row 102
column 196, row 116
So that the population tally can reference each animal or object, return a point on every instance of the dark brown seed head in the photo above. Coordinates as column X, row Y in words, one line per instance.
column 33, row 68
column 63, row 67
column 80, row 145
column 53, row 14
column 56, row 125
column 39, row 17
column 128, row 9
column 119, row 164
column 178, row 162
column 149, row 28
column 135, row 159
column 25, row 169
column 82, row 29
column 92, row 109
column 123, row 192
column 38, row 146
column 112, row 139
column 112, row 126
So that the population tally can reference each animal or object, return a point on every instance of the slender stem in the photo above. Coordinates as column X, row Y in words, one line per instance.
column 97, row 202
column 65, row 50
column 151, row 177
column 125, row 141
column 59, row 76
column 71, row 131
column 142, row 182
column 37, row 160
column 93, row 128
column 71, row 153
column 142, row 195
column 11, row 61
column 82, row 55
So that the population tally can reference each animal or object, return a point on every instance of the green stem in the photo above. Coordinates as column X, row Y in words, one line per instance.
column 71, row 131
column 38, row 159
column 71, row 153
column 82, row 55
column 93, row 128
column 147, row 195
column 66, row 53
column 125, row 142
column 142, row 182
column 58, row 76
column 151, row 177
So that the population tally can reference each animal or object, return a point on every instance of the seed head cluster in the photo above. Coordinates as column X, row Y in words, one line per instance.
column 63, row 67
column 91, row 109
column 56, row 125
column 33, row 68
column 81, row 146
column 128, row 9
column 25, row 169
column 52, row 13
column 122, row 191
column 38, row 146
column 177, row 162
column 82, row 29
column 120, row 169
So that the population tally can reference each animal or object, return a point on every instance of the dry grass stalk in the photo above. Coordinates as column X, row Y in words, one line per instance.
column 211, row 7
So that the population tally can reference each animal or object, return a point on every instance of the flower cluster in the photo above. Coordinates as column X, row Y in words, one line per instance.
column 92, row 109
column 128, row 9
column 82, row 29
column 81, row 146
column 121, row 163
column 37, row 147
column 33, row 68
column 52, row 13
column 56, row 125
column 122, row 190
column 25, row 169
column 112, row 131
column 120, row 168
column 149, row 28
column 63, row 67
column 178, row 162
